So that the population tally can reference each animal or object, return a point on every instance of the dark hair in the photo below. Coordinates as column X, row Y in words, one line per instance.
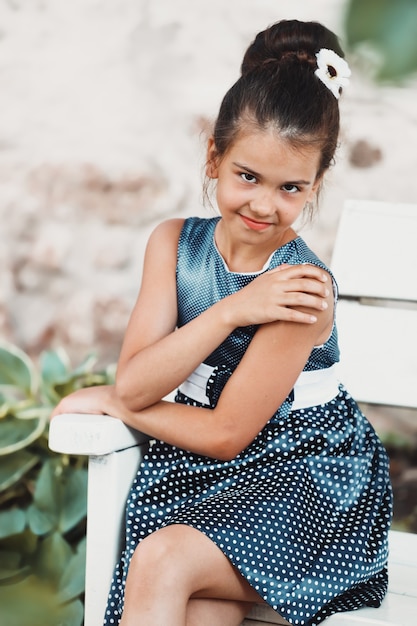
column 278, row 88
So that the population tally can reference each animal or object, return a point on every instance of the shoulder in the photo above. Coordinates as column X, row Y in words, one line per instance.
column 167, row 229
column 196, row 234
column 305, row 254
column 172, row 237
column 161, row 248
column 165, row 236
column 197, row 227
column 183, row 228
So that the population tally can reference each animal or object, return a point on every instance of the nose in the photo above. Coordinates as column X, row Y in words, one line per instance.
column 263, row 203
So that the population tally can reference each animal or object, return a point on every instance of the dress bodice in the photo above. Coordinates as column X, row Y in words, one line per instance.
column 203, row 279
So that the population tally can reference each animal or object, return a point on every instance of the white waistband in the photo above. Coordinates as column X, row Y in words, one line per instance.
column 315, row 387
column 196, row 384
column 311, row 388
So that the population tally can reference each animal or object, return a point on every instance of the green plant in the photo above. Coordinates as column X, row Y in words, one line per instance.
column 43, row 495
column 384, row 33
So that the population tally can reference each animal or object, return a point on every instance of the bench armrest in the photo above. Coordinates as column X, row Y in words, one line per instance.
column 91, row 435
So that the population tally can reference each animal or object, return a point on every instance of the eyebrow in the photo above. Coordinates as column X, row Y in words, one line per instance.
column 257, row 175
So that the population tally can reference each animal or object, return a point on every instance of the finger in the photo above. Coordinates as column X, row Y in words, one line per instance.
column 292, row 315
column 299, row 299
column 299, row 286
column 299, row 271
column 307, row 286
column 280, row 267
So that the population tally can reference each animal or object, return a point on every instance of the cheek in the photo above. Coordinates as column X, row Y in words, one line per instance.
column 226, row 195
column 291, row 213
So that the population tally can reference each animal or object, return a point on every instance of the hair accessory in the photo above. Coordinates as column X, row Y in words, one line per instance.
column 332, row 70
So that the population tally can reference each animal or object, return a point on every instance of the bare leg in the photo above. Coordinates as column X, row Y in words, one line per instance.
column 172, row 566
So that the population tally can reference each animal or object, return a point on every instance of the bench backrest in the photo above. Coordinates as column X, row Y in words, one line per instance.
column 375, row 264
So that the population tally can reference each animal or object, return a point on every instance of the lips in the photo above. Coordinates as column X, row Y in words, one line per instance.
column 253, row 224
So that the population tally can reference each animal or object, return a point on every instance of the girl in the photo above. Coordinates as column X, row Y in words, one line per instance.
column 264, row 483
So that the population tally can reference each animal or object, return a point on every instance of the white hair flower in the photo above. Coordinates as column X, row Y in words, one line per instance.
column 332, row 70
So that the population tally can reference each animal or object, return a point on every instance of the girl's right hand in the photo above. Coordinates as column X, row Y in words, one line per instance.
column 282, row 293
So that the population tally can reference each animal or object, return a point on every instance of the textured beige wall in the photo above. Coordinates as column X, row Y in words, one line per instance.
column 103, row 107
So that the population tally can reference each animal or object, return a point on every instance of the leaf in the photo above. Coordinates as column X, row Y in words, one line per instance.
column 70, row 614
column 16, row 434
column 10, row 567
column 52, row 558
column 60, row 499
column 73, row 499
column 25, row 544
column 55, row 369
column 85, row 366
column 32, row 411
column 41, row 521
column 5, row 405
column 55, row 365
column 10, row 560
column 44, row 510
column 14, row 466
column 12, row 522
column 33, row 602
column 17, row 369
column 390, row 29
column 72, row 583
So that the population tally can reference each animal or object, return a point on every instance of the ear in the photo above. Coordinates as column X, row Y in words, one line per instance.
column 315, row 189
column 211, row 159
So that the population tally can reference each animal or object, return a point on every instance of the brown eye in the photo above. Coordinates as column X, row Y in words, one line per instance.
column 290, row 188
column 248, row 178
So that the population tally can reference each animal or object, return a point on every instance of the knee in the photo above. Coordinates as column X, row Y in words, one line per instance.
column 156, row 556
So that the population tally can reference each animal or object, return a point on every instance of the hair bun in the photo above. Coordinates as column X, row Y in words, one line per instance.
column 289, row 40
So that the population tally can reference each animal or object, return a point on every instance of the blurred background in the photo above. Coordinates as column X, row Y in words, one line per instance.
column 105, row 106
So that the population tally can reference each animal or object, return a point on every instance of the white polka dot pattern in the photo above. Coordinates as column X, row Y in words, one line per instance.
column 304, row 511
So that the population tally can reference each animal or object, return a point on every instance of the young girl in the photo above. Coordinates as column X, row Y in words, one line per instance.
column 265, row 483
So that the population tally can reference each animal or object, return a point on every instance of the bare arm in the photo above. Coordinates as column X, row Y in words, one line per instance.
column 256, row 389
column 156, row 358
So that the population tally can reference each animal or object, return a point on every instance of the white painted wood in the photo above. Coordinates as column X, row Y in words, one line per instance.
column 395, row 611
column 109, row 480
column 76, row 433
column 375, row 252
column 378, row 348
column 115, row 452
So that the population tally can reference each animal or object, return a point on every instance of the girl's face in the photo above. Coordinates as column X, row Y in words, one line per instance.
column 263, row 185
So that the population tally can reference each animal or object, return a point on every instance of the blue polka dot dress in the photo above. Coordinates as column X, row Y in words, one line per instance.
column 303, row 512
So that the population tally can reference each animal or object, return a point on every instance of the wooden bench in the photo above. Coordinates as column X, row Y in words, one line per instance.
column 375, row 262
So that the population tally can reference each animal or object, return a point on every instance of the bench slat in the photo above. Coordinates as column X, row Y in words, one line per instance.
column 375, row 254
column 396, row 610
column 384, row 339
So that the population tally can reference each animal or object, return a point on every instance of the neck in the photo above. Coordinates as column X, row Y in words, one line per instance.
column 241, row 256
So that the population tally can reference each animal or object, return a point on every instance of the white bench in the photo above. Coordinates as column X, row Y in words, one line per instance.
column 375, row 263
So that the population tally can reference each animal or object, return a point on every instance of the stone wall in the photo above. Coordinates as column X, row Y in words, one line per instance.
column 105, row 105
